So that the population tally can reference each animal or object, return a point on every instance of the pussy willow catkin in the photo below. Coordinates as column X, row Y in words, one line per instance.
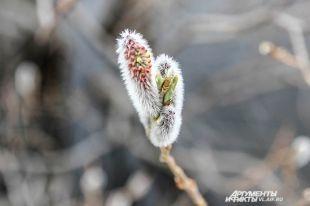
column 155, row 87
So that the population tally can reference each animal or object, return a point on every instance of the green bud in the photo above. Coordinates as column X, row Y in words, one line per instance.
column 170, row 92
column 159, row 81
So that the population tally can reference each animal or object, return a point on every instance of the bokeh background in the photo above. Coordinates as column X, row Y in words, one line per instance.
column 69, row 134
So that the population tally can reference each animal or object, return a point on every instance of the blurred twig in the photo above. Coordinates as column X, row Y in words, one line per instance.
column 196, row 28
column 285, row 57
column 49, row 16
column 295, row 28
column 78, row 156
column 279, row 157
column 300, row 60
column 64, row 6
column 305, row 199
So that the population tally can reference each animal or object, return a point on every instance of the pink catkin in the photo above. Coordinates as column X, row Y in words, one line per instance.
column 136, row 61
column 138, row 70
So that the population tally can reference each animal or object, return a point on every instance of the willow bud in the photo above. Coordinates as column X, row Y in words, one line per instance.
column 136, row 63
column 165, row 129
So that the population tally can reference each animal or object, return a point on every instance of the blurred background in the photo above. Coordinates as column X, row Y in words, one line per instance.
column 69, row 135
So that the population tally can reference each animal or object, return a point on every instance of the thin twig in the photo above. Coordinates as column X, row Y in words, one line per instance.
column 282, row 55
column 182, row 181
column 277, row 157
column 305, row 199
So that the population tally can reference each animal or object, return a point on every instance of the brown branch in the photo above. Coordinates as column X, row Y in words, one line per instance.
column 305, row 199
column 277, row 158
column 282, row 55
column 64, row 6
column 183, row 182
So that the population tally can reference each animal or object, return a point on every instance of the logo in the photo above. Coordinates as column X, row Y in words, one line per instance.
column 254, row 196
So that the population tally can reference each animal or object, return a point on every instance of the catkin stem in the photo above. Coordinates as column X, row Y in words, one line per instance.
column 182, row 181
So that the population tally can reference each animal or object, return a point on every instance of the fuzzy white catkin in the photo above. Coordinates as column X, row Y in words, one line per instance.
column 145, row 100
column 166, row 129
column 27, row 78
column 138, row 69
column 301, row 146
